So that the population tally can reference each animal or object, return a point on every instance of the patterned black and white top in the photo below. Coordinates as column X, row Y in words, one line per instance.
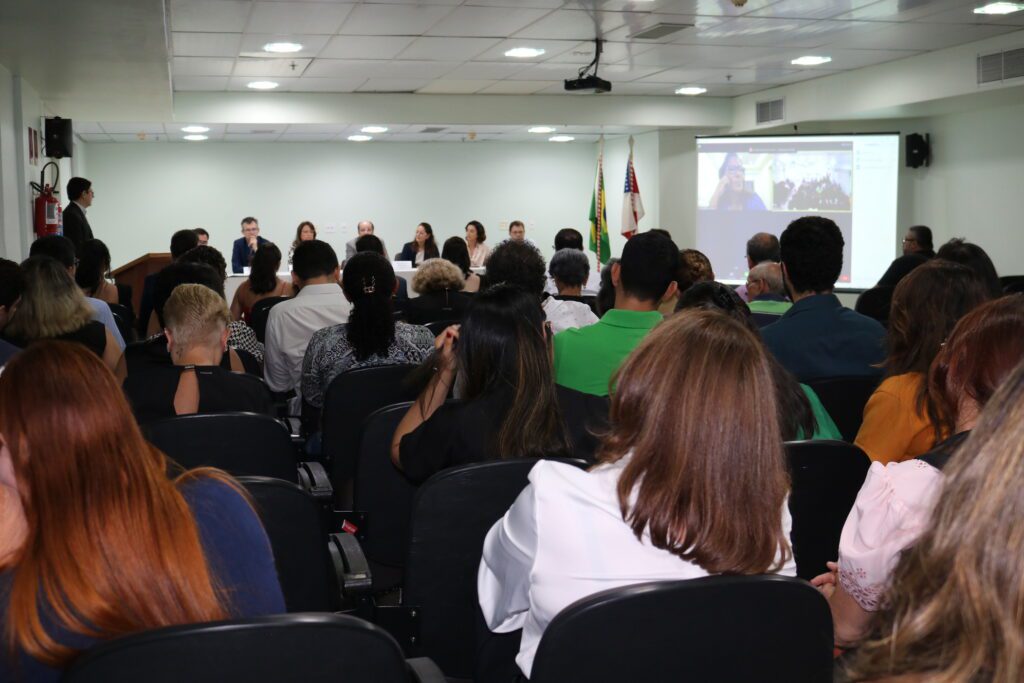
column 329, row 354
column 241, row 336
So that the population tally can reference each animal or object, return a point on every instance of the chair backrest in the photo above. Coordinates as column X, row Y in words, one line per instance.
column 124, row 319
column 292, row 520
column 719, row 628
column 452, row 513
column 438, row 326
column 826, row 476
column 844, row 398
column 312, row 648
column 260, row 313
column 243, row 444
column 350, row 398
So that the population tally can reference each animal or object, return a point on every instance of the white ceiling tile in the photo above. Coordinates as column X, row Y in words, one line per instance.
column 447, row 49
column 667, row 56
column 252, row 44
column 270, row 68
column 515, row 87
column 175, row 129
column 343, row 68
column 540, row 4
column 222, row 16
column 639, row 88
column 485, row 22
column 759, row 31
column 701, row 76
column 393, row 84
column 133, row 128
column 204, row 83
column 90, row 127
column 393, row 20
column 412, row 137
column 327, row 84
column 494, row 71
column 307, row 137
column 201, row 66
column 611, row 52
column 264, row 129
column 552, row 48
column 241, row 83
column 842, row 59
column 574, row 25
column 809, row 9
column 140, row 137
column 910, row 36
column 704, row 7
column 365, row 47
column 450, row 3
column 559, row 72
column 248, row 137
column 186, row 44
column 95, row 137
column 963, row 14
column 297, row 17
column 443, row 86
column 638, row 22
column 901, row 10
column 406, row 69
column 317, row 128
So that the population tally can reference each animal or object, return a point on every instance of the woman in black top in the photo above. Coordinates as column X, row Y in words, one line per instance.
column 421, row 248
column 499, row 359
column 439, row 284
column 196, row 321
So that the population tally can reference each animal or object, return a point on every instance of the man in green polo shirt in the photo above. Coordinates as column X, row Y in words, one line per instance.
column 586, row 358
column 766, row 292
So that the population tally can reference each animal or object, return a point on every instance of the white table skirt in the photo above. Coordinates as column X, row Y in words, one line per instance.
column 233, row 281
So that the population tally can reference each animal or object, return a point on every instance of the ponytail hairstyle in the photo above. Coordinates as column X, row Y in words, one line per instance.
column 263, row 274
column 369, row 283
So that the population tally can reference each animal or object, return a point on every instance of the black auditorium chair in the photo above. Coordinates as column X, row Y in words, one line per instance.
column 439, row 326
column 349, row 399
column 844, row 398
column 261, row 313
column 826, row 477
column 125, row 320
column 243, row 444
column 439, row 614
column 719, row 628
column 1012, row 284
column 312, row 648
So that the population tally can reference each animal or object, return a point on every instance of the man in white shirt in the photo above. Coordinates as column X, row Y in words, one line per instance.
column 363, row 228
column 320, row 303
column 568, row 238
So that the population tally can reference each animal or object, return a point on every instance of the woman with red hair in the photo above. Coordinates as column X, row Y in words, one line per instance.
column 96, row 541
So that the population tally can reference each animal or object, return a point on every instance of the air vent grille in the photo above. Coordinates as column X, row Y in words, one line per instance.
column 769, row 111
column 1001, row 66
column 659, row 31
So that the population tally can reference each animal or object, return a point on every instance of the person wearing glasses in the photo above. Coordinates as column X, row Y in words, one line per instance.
column 76, row 225
column 732, row 193
column 919, row 241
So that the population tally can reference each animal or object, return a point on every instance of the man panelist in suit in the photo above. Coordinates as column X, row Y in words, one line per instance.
column 76, row 225
column 246, row 245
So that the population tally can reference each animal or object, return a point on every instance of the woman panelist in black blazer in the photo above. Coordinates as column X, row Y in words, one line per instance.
column 421, row 248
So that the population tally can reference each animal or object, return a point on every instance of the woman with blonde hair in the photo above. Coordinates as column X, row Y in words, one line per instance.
column 439, row 283
column 676, row 496
column 53, row 307
column 84, row 559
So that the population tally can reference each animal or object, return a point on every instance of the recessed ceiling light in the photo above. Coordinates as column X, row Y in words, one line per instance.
column 524, row 52
column 360, row 138
column 282, row 47
column 691, row 90
column 374, row 129
column 811, row 60
column 262, row 85
column 541, row 129
column 561, row 138
column 195, row 129
column 999, row 8
column 195, row 138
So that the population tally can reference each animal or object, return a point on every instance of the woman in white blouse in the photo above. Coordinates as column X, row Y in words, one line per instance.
column 676, row 496
column 895, row 503
column 569, row 269
column 475, row 238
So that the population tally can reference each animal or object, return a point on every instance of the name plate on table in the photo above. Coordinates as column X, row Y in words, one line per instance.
column 402, row 265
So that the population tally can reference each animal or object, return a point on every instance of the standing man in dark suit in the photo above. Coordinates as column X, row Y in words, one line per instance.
column 245, row 246
column 76, row 225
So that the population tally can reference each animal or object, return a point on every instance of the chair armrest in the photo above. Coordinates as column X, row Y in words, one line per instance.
column 313, row 477
column 424, row 670
column 350, row 565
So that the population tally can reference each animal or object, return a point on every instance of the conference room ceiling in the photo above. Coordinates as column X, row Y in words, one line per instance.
column 458, row 46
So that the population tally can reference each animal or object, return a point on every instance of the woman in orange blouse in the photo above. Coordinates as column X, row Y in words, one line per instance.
column 925, row 307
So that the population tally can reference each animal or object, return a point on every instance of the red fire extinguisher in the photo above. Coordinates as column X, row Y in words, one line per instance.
column 48, row 216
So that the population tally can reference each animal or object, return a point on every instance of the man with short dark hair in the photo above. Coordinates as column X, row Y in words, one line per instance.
column 319, row 303
column 204, row 237
column 918, row 240
column 517, row 231
column 245, row 246
column 76, row 225
column 817, row 337
column 761, row 248
column 570, row 238
column 586, row 358
column 12, row 285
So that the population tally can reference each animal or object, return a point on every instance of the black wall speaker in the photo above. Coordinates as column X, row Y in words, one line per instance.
column 919, row 150
column 58, row 137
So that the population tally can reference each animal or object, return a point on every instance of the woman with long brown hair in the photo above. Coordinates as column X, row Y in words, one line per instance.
column 676, row 496
column 99, row 541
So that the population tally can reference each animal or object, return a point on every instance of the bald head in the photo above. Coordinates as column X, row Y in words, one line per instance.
column 765, row 278
column 365, row 228
column 762, row 247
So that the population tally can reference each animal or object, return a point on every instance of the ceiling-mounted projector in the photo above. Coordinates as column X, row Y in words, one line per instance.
column 587, row 81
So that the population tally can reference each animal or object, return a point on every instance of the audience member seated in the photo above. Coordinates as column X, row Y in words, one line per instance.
column 606, row 292
column 246, row 246
column 456, row 251
column 569, row 238
column 63, row 251
column 516, row 263
column 895, row 502
column 371, row 337
column 181, row 242
column 305, row 232
column 766, row 293
column 53, row 307
column 676, row 495
column 644, row 278
column 439, row 285
column 510, row 407
column 918, row 240
column 569, row 270
column 421, row 248
column 196, row 320
column 761, row 248
column 877, row 301
column 85, row 559
column 240, row 336
column 952, row 611
column 925, row 308
column 476, row 235
column 93, row 272
column 975, row 258
column 800, row 410
column 262, row 283
column 694, row 267
column 319, row 303
column 373, row 244
column 818, row 337
column 12, row 286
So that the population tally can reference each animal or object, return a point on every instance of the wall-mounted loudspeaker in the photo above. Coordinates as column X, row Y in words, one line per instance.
column 58, row 138
column 919, row 150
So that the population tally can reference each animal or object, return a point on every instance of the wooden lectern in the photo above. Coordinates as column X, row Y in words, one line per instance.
column 135, row 272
